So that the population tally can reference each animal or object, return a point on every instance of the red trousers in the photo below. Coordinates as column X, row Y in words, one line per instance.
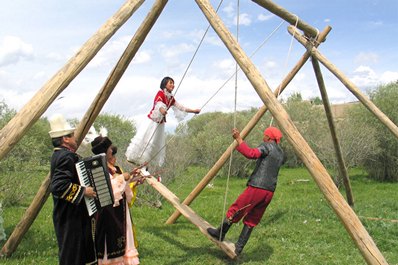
column 250, row 206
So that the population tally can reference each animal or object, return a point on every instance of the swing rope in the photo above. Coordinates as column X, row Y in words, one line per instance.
column 217, row 91
column 234, row 123
column 286, row 61
column 251, row 55
column 182, row 79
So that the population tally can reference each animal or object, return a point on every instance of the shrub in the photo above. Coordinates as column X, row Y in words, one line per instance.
column 368, row 142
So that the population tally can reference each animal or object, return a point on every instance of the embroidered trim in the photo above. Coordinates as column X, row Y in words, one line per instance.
column 74, row 190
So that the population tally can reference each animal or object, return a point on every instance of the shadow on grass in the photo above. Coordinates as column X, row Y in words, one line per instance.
column 173, row 235
column 266, row 220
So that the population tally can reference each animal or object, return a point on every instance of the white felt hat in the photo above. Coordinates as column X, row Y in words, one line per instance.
column 59, row 126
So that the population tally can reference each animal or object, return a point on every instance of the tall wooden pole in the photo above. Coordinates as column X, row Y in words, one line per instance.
column 83, row 127
column 32, row 111
column 260, row 113
column 339, row 155
column 346, row 82
column 347, row 216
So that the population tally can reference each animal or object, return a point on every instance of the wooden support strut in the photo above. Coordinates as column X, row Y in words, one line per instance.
column 339, row 155
column 83, row 127
column 226, row 246
column 253, row 122
column 346, row 82
column 350, row 220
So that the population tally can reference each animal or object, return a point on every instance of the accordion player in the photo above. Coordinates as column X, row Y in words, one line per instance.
column 93, row 171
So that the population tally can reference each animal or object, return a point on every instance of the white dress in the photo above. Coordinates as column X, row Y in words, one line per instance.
column 148, row 145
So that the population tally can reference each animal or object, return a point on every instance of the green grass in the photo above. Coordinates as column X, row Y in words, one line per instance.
column 299, row 226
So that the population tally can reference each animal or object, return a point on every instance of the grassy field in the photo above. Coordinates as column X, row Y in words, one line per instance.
column 299, row 227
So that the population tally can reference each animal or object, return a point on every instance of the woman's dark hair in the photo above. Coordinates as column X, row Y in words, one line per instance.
column 165, row 81
column 114, row 150
column 100, row 144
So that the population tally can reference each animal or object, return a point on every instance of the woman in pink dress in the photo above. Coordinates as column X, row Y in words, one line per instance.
column 114, row 233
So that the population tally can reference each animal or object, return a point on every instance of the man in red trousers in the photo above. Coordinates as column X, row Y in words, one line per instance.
column 251, row 204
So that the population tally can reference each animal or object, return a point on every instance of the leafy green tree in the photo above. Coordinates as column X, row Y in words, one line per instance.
column 311, row 122
column 120, row 130
column 316, row 101
column 26, row 162
column 382, row 161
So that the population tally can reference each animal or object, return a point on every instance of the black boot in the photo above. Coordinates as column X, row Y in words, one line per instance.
column 243, row 238
column 220, row 232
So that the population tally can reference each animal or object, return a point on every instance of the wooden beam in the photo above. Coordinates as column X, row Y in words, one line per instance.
column 226, row 246
column 32, row 111
column 346, row 82
column 287, row 16
column 347, row 216
column 339, row 155
column 121, row 66
column 85, row 124
column 254, row 120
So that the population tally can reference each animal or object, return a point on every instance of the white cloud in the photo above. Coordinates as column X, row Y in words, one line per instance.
column 244, row 19
column 110, row 53
column 56, row 56
column 365, row 77
column 269, row 65
column 226, row 66
column 376, row 24
column 171, row 34
column 142, row 57
column 366, row 58
column 173, row 51
column 13, row 49
column 388, row 77
column 263, row 17
column 214, row 40
column 40, row 75
column 229, row 10
column 9, row 97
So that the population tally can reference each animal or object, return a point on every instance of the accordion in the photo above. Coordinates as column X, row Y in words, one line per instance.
column 93, row 171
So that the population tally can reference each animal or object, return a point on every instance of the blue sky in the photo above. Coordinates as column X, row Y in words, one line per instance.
column 37, row 38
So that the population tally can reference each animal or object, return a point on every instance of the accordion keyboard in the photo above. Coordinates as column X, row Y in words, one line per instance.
column 93, row 171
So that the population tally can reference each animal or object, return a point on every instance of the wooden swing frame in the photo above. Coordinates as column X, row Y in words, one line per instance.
column 34, row 109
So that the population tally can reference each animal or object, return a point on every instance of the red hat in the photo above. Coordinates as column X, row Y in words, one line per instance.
column 273, row 133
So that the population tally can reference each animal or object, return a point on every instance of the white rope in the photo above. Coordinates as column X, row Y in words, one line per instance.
column 182, row 78
column 234, row 74
column 286, row 62
column 219, row 89
column 234, row 122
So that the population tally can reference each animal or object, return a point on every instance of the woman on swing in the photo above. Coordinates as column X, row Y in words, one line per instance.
column 149, row 141
column 251, row 204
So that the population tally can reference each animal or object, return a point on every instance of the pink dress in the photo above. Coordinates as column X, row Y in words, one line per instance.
column 120, row 186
